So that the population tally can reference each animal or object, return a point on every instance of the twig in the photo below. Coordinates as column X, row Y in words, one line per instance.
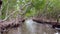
column 26, row 5
column 8, row 16
column 15, row 11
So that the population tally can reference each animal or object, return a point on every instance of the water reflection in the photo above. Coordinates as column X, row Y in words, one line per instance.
column 36, row 28
column 31, row 27
column 56, row 33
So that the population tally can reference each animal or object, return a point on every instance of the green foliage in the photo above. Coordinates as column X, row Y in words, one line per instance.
column 48, row 8
column 7, row 6
column 38, row 4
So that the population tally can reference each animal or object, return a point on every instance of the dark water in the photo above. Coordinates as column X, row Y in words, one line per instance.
column 30, row 27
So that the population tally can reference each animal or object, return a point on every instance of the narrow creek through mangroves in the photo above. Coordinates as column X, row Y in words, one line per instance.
column 31, row 27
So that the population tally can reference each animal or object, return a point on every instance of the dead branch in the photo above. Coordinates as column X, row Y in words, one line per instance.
column 8, row 16
column 15, row 11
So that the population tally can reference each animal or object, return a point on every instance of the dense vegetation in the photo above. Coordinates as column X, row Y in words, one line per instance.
column 29, row 8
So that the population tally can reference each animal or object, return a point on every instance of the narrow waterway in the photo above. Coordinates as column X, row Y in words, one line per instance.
column 31, row 27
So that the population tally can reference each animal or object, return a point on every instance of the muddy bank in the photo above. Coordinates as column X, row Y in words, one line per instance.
column 31, row 27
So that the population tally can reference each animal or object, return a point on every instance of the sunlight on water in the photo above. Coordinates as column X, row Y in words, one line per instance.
column 30, row 25
column 36, row 28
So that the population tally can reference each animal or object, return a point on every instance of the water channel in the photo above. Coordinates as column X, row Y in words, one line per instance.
column 31, row 27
